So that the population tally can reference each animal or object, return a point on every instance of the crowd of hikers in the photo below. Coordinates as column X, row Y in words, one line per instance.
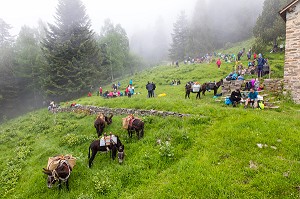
column 129, row 90
column 256, row 62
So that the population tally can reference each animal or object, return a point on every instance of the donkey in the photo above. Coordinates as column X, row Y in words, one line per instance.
column 189, row 89
column 113, row 148
column 136, row 125
column 213, row 86
column 100, row 122
column 60, row 174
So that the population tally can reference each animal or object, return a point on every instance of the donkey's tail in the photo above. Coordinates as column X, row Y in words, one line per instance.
column 142, row 132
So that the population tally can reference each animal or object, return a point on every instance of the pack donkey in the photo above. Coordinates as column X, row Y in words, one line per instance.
column 59, row 170
column 111, row 144
column 100, row 123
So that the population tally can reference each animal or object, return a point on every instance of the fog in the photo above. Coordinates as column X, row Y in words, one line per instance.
column 148, row 23
column 131, row 14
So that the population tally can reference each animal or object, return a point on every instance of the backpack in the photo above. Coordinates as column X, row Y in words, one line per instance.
column 227, row 101
column 261, row 105
column 234, row 76
column 248, row 86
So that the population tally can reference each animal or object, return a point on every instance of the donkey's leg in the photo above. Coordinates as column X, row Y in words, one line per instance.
column 113, row 152
column 138, row 133
column 59, row 184
column 215, row 91
column 92, row 158
column 67, row 184
column 129, row 133
column 98, row 131
column 142, row 131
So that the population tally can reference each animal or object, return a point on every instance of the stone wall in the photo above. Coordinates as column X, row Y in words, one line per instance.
column 270, row 85
column 229, row 86
column 119, row 111
column 292, row 53
column 273, row 85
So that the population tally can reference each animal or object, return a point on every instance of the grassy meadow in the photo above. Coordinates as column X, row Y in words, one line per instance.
column 218, row 152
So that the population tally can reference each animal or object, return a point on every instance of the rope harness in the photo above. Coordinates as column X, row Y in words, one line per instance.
column 55, row 174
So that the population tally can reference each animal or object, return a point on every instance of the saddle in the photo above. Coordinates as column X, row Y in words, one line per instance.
column 128, row 121
column 107, row 140
column 53, row 162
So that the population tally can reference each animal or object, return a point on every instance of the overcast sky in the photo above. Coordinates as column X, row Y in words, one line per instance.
column 131, row 14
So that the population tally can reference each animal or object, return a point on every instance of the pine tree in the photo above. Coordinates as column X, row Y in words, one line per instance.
column 8, row 80
column 179, row 38
column 28, row 63
column 115, row 49
column 71, row 53
column 269, row 25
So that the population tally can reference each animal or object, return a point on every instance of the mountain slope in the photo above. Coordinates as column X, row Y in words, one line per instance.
column 215, row 153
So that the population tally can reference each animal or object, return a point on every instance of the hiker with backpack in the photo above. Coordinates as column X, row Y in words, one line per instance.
column 260, row 65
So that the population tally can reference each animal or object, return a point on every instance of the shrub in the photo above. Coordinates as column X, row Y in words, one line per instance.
column 166, row 150
column 72, row 140
column 102, row 184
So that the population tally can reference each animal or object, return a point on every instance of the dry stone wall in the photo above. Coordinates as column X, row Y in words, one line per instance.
column 292, row 53
column 270, row 85
column 120, row 111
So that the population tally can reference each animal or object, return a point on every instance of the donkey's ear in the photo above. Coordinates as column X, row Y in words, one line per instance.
column 47, row 172
column 111, row 115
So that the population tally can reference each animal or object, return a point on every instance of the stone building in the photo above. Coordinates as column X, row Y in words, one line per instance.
column 291, row 15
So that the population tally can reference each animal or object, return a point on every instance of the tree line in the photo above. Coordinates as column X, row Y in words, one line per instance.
column 60, row 61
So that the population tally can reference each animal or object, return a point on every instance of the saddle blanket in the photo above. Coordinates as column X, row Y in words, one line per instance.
column 53, row 162
column 105, row 141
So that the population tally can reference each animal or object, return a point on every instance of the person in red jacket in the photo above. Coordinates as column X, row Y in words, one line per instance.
column 219, row 63
column 89, row 94
column 100, row 91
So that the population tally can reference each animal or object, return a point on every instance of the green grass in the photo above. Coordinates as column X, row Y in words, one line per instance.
column 206, row 155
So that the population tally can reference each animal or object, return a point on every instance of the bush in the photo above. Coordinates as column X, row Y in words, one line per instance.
column 102, row 184
column 72, row 140
column 166, row 150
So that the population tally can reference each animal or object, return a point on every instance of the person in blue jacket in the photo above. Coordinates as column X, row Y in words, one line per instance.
column 252, row 98
column 260, row 65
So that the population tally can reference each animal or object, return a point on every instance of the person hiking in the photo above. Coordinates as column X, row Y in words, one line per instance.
column 153, row 89
column 149, row 88
column 219, row 63
column 260, row 65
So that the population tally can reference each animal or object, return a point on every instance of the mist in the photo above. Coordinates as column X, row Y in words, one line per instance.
column 148, row 26
column 227, row 20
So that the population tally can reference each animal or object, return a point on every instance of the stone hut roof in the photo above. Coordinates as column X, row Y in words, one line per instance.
column 289, row 8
